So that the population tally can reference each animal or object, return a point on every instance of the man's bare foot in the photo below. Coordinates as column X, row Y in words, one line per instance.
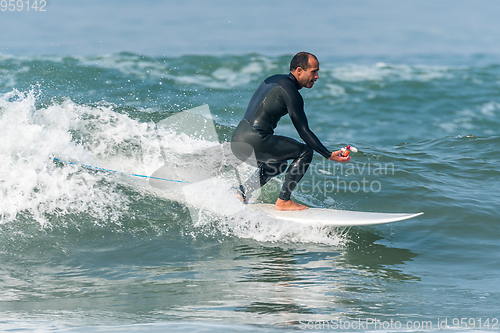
column 240, row 194
column 240, row 198
column 285, row 205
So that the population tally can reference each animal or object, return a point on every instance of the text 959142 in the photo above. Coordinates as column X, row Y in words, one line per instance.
column 23, row 5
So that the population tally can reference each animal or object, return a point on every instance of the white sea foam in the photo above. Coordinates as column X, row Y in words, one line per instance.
column 130, row 65
column 252, row 224
column 223, row 77
column 382, row 72
column 470, row 119
column 7, row 79
column 31, row 183
column 490, row 109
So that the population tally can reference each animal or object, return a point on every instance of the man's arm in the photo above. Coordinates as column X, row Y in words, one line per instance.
column 300, row 122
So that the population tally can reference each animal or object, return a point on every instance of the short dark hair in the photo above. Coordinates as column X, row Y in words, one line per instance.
column 301, row 59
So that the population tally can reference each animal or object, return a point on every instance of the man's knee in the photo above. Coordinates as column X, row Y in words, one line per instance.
column 307, row 154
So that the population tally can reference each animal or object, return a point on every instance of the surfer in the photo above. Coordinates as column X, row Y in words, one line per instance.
column 274, row 98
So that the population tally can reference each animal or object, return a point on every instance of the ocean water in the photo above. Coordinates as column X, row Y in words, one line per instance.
column 89, row 244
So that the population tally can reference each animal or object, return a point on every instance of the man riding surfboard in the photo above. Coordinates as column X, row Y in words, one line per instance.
column 277, row 96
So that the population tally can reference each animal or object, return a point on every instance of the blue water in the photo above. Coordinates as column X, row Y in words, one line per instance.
column 414, row 86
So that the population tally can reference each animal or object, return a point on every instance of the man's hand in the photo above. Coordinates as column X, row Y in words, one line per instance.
column 337, row 158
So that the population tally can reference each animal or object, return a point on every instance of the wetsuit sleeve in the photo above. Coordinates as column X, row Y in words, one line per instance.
column 299, row 119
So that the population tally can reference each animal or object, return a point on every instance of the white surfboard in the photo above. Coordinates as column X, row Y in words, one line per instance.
column 332, row 217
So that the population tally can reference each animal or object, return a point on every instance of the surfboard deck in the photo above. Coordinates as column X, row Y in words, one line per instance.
column 332, row 217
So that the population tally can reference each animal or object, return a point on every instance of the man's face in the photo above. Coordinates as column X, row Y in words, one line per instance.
column 307, row 77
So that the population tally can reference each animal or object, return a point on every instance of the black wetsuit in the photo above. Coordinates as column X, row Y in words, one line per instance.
column 275, row 97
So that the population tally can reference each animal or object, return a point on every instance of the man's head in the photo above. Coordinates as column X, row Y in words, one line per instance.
column 305, row 66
